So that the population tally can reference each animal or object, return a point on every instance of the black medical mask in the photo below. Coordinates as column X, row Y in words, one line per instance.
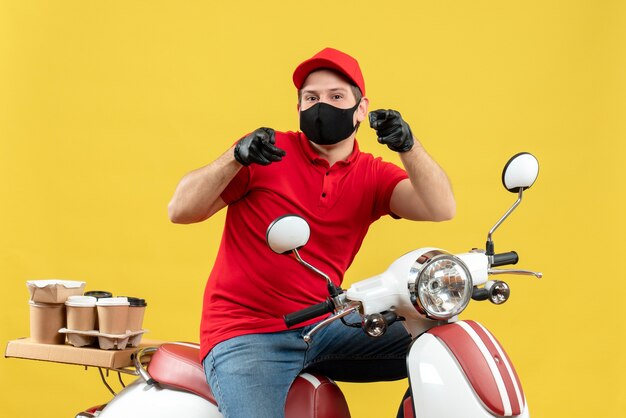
column 326, row 125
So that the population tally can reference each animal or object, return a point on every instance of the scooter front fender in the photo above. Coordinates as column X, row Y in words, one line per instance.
column 142, row 400
column 460, row 370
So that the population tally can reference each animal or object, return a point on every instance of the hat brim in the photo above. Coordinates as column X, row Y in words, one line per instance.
column 307, row 67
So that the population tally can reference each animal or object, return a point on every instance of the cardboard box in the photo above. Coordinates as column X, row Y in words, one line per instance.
column 54, row 291
column 111, row 359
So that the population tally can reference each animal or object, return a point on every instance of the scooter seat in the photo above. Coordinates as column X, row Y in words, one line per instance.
column 178, row 366
column 311, row 395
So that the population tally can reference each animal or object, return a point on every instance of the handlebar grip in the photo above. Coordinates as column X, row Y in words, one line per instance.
column 309, row 313
column 480, row 293
column 504, row 259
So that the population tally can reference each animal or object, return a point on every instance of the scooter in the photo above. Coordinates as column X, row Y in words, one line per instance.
column 456, row 368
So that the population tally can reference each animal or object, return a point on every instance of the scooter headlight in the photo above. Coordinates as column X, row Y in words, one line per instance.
column 443, row 287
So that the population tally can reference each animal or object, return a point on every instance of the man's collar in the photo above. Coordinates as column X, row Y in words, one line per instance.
column 315, row 158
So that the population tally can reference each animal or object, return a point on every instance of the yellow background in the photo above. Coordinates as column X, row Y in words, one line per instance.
column 105, row 105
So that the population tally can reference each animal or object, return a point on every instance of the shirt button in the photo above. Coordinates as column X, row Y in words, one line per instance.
column 323, row 194
column 328, row 173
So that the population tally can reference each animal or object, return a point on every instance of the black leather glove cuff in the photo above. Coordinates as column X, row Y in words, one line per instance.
column 238, row 157
column 407, row 144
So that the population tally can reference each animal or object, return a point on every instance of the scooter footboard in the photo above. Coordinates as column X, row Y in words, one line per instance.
column 460, row 370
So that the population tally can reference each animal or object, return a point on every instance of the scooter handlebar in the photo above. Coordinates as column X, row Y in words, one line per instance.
column 311, row 312
column 505, row 259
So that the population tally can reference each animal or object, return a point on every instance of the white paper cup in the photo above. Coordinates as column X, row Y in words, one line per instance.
column 113, row 315
column 46, row 319
column 81, row 313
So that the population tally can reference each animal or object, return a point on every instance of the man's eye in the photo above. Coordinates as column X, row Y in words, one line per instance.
column 337, row 97
column 310, row 98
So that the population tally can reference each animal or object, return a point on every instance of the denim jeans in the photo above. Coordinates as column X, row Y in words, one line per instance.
column 250, row 375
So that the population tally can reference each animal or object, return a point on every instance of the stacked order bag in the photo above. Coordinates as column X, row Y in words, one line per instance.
column 59, row 309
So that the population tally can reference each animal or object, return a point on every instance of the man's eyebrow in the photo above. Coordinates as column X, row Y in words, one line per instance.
column 333, row 90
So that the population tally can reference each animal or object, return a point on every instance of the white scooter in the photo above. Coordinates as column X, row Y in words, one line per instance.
column 455, row 368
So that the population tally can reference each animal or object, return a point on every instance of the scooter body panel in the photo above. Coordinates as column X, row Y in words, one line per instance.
column 142, row 400
column 442, row 386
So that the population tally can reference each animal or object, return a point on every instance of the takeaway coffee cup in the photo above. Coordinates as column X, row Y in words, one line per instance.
column 46, row 319
column 98, row 294
column 113, row 315
column 81, row 313
column 136, row 311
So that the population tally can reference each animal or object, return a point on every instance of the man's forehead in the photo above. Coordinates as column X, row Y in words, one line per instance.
column 325, row 79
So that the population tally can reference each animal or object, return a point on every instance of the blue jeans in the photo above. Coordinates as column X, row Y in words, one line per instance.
column 250, row 375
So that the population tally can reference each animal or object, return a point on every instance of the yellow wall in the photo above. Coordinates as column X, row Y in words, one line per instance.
column 105, row 105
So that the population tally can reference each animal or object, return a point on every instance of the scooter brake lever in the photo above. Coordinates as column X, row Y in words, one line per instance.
column 351, row 307
column 517, row 272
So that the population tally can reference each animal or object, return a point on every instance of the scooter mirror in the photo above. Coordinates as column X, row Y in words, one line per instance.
column 520, row 172
column 287, row 233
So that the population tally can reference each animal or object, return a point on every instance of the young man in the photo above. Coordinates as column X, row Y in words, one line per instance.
column 249, row 355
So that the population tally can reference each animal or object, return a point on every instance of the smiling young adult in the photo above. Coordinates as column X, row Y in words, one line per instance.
column 319, row 173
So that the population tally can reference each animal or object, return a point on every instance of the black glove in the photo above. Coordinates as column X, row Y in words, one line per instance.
column 392, row 130
column 258, row 148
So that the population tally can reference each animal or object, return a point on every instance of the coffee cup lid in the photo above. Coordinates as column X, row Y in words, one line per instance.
column 81, row 301
column 119, row 301
column 136, row 301
column 99, row 294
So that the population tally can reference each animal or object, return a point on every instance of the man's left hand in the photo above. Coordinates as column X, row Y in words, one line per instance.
column 392, row 130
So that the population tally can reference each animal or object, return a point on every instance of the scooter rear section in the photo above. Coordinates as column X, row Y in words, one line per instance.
column 142, row 400
column 460, row 370
column 176, row 386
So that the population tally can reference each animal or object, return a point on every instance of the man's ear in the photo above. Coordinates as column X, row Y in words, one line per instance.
column 361, row 111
